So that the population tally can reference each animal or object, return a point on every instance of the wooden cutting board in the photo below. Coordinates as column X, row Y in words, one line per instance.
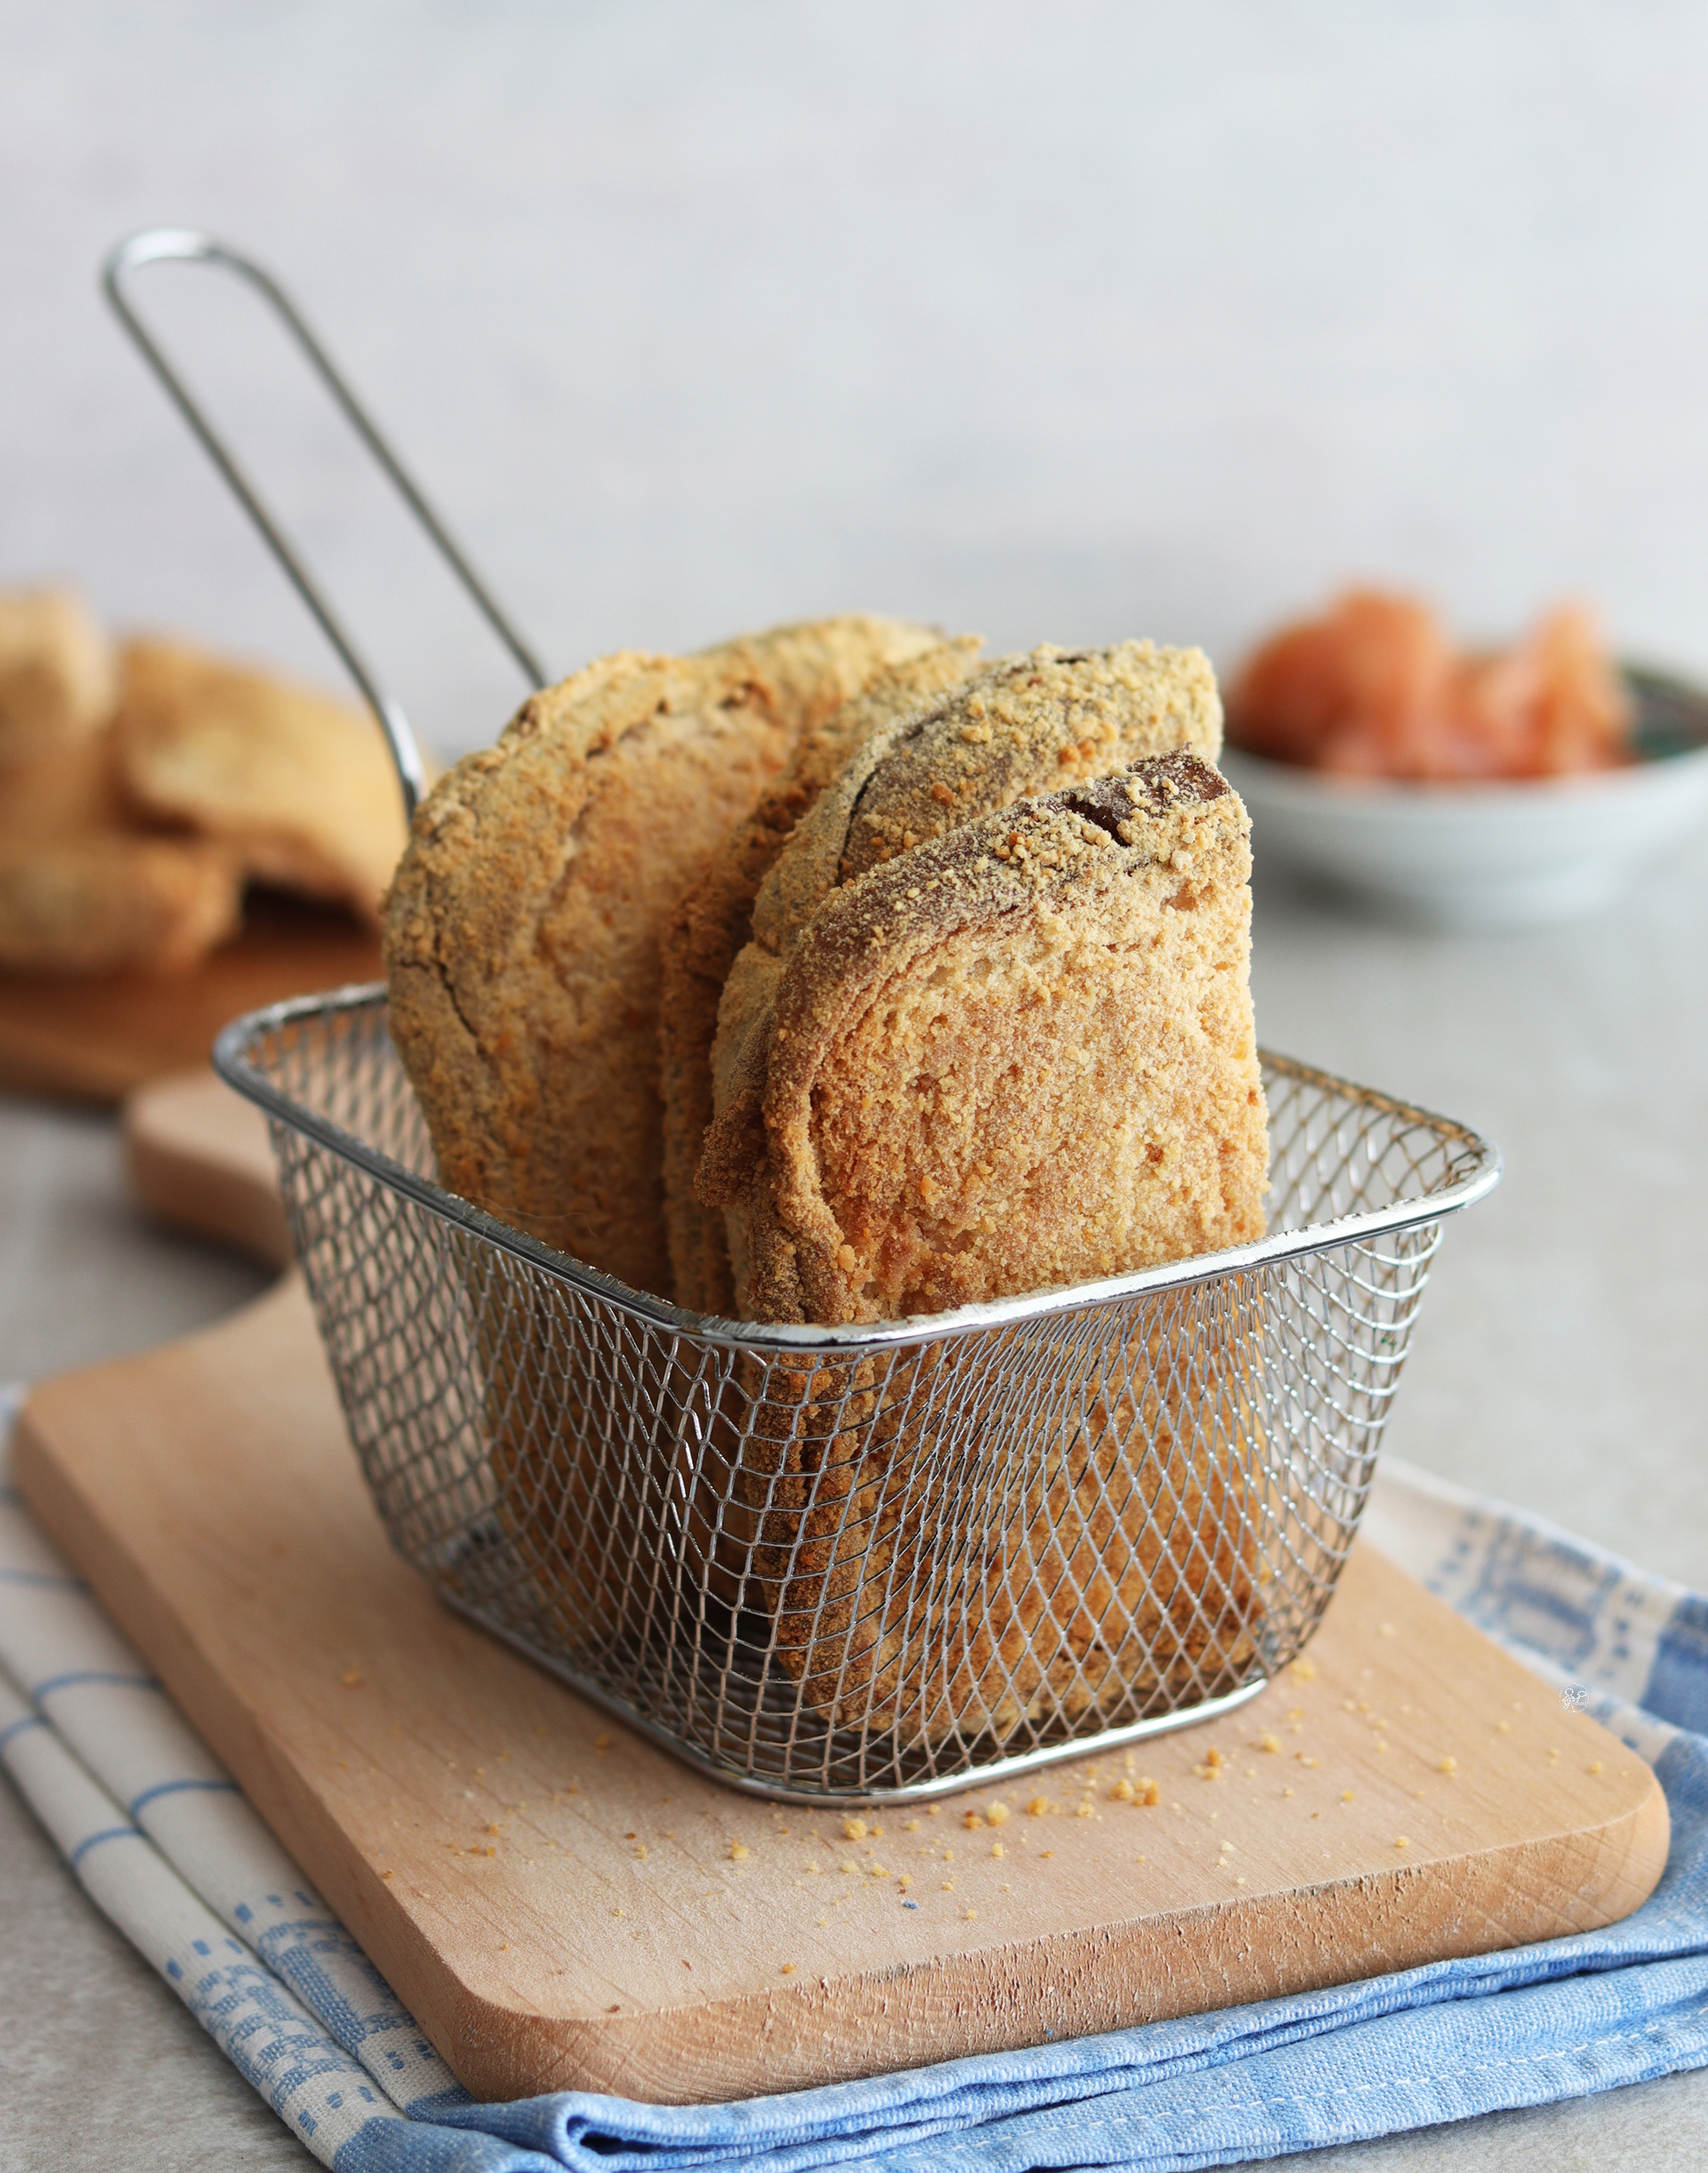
column 563, row 1906
column 94, row 1039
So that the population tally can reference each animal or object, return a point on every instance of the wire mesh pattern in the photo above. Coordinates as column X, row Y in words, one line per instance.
column 858, row 1564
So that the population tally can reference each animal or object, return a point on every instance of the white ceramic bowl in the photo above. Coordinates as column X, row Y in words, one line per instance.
column 1470, row 857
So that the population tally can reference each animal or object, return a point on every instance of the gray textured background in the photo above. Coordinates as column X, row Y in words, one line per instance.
column 1057, row 322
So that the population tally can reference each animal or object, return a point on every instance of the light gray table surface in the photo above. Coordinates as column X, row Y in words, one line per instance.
column 1066, row 324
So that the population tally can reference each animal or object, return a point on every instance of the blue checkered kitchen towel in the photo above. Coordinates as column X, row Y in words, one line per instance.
column 163, row 1842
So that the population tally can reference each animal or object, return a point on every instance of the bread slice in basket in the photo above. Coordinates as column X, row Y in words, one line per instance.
column 522, row 955
column 1017, row 1057
column 1026, row 726
column 522, row 928
column 712, row 924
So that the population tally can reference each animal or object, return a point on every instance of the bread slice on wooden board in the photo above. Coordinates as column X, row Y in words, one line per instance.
column 58, row 680
column 84, row 890
column 104, row 901
column 523, row 931
column 300, row 785
column 1019, row 1056
column 1025, row 725
column 712, row 924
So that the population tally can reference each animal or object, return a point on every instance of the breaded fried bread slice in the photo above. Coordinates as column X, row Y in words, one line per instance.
column 58, row 680
column 705, row 935
column 83, row 891
column 301, row 786
column 523, row 930
column 1023, row 727
column 1019, row 1057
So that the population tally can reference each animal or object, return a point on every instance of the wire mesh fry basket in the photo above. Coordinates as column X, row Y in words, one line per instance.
column 862, row 1564
column 854, row 1565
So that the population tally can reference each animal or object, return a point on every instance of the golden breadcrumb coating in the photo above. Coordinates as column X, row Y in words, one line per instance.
column 104, row 902
column 1020, row 1057
column 67, row 791
column 84, row 890
column 523, row 953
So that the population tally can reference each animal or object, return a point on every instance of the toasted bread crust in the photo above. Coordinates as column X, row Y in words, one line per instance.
column 69, row 791
column 705, row 934
column 1026, row 725
column 522, row 929
column 84, row 890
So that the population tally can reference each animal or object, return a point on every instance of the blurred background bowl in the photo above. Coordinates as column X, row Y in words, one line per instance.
column 1467, row 857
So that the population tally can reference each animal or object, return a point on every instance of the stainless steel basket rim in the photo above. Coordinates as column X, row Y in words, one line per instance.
column 231, row 1062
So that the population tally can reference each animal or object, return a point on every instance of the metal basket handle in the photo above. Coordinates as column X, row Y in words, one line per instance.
column 177, row 245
